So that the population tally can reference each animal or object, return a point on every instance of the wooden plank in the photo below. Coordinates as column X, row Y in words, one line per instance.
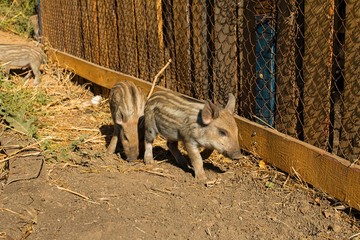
column 86, row 30
column 240, row 27
column 94, row 29
column 142, row 40
column 248, row 79
column 225, row 51
column 112, row 34
column 76, row 39
column 317, row 71
column 350, row 134
column 66, row 27
column 201, row 41
column 169, row 43
column 102, row 13
column 287, row 92
column 182, row 46
column 323, row 170
column 127, row 37
column 155, row 42
column 50, row 23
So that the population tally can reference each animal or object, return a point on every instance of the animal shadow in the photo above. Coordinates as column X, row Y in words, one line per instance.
column 188, row 167
column 158, row 152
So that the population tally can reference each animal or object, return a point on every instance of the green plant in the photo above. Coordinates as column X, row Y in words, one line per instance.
column 20, row 107
column 14, row 15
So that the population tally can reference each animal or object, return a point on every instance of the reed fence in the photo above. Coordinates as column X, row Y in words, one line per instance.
column 293, row 65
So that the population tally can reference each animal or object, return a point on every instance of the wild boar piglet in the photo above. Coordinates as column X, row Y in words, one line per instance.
column 21, row 56
column 127, row 103
column 196, row 124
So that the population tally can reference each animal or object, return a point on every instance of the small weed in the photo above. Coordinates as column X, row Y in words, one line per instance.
column 14, row 15
column 20, row 107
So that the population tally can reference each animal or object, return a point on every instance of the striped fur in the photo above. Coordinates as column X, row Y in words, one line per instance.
column 13, row 56
column 196, row 124
column 127, row 104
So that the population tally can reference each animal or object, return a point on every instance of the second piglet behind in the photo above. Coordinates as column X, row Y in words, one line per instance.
column 196, row 124
column 127, row 103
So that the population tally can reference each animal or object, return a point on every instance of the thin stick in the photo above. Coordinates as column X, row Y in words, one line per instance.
column 156, row 78
column 263, row 122
column 15, row 130
column 159, row 174
column 162, row 191
column 355, row 235
column 23, row 155
column 13, row 212
column 10, row 146
column 73, row 192
column 83, row 129
column 25, row 148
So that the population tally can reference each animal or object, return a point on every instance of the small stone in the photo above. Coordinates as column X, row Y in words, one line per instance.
column 327, row 213
column 337, row 228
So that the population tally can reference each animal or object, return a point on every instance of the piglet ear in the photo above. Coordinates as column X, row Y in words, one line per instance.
column 209, row 113
column 231, row 103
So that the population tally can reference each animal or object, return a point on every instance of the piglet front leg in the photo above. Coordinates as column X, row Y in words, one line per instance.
column 196, row 160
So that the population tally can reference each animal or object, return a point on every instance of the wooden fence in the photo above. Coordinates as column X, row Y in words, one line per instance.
column 293, row 65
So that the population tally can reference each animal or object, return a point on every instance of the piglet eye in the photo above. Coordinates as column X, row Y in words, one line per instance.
column 223, row 132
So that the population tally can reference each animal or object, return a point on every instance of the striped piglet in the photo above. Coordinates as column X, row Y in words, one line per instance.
column 196, row 124
column 20, row 56
column 127, row 104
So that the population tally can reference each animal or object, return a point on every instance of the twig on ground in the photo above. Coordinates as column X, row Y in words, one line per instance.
column 13, row 212
column 298, row 176
column 354, row 235
column 29, row 146
column 77, row 194
column 15, row 130
column 83, row 129
column 73, row 192
column 159, row 174
column 162, row 191
column 23, row 155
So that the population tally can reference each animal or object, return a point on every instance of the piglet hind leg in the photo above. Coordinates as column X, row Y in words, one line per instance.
column 173, row 147
column 196, row 161
column 149, row 139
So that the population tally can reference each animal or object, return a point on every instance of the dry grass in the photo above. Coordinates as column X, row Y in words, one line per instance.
column 68, row 124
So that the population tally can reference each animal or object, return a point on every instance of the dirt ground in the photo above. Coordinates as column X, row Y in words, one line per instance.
column 90, row 195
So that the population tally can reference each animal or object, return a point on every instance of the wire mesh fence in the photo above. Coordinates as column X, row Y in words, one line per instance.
column 294, row 65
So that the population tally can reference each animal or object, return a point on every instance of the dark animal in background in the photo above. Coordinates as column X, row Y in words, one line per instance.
column 34, row 24
column 127, row 103
column 196, row 124
column 21, row 56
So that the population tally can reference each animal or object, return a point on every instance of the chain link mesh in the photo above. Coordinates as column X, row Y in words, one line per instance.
column 292, row 64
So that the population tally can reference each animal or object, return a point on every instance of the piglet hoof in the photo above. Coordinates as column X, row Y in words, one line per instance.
column 109, row 152
column 148, row 160
column 201, row 177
